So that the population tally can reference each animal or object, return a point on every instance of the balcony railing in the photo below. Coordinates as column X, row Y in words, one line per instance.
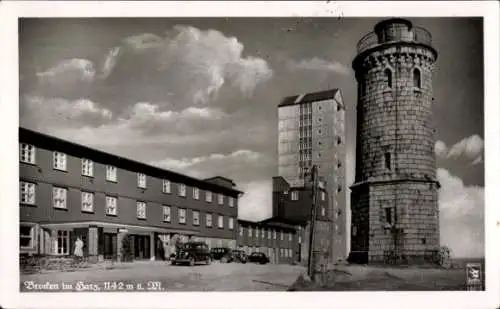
column 416, row 34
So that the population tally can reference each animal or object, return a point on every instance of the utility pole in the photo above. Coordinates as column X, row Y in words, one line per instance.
column 310, row 264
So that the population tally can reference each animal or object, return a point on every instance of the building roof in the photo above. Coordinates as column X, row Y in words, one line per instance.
column 274, row 222
column 220, row 177
column 54, row 143
column 309, row 97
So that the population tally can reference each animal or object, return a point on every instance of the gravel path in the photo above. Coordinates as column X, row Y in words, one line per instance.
column 160, row 276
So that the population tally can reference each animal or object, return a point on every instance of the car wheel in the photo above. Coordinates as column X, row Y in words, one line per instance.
column 223, row 259
column 207, row 261
column 174, row 263
column 191, row 262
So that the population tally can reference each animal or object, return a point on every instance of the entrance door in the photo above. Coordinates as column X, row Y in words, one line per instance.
column 110, row 246
column 141, row 247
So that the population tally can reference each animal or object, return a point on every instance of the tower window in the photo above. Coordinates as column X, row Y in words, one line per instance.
column 388, row 77
column 388, row 215
column 387, row 157
column 417, row 81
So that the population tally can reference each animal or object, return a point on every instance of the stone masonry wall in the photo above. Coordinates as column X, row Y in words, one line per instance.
column 397, row 120
column 395, row 153
column 413, row 210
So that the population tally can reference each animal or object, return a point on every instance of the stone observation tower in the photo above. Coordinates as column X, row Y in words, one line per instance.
column 394, row 199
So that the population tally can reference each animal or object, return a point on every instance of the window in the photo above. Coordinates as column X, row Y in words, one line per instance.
column 256, row 232
column 268, row 234
column 141, row 210
column 27, row 193
column 111, row 173
column 241, row 231
column 181, row 189
column 167, row 214
column 208, row 196
column 166, row 186
column 62, row 244
column 231, row 201
column 323, row 211
column 289, row 236
column 281, row 235
column 354, row 230
column 300, row 239
column 323, row 195
column 231, row 223
column 388, row 77
column 59, row 197
column 417, row 82
column 27, row 153
column 196, row 217
column 220, row 222
column 59, row 161
column 87, row 202
column 26, row 236
column 87, row 168
column 339, row 188
column 387, row 157
column 295, row 195
column 208, row 220
column 196, row 193
column 388, row 215
column 274, row 234
column 339, row 140
column 423, row 241
column 290, row 253
column 263, row 233
column 249, row 232
column 221, row 199
column 182, row 216
column 111, row 205
column 141, row 180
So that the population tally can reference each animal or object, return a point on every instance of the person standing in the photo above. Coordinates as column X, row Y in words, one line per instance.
column 78, row 249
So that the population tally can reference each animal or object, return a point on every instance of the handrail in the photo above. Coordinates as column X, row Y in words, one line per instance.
column 416, row 35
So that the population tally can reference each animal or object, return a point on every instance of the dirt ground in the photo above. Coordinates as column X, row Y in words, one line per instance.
column 369, row 278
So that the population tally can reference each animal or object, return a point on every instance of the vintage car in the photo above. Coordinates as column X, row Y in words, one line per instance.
column 240, row 256
column 258, row 257
column 222, row 254
column 191, row 253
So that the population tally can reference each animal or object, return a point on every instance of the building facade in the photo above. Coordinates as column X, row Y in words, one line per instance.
column 69, row 191
column 277, row 238
column 311, row 131
column 394, row 198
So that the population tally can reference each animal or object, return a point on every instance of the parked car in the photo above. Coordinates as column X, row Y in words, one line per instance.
column 224, row 255
column 192, row 253
column 258, row 257
column 240, row 256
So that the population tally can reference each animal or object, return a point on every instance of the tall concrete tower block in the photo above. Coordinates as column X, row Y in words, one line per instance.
column 311, row 131
column 394, row 200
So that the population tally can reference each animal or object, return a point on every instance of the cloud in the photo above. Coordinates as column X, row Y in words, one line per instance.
column 39, row 112
column 461, row 215
column 440, row 149
column 243, row 165
column 109, row 62
column 470, row 147
column 317, row 64
column 191, row 64
column 69, row 70
column 256, row 203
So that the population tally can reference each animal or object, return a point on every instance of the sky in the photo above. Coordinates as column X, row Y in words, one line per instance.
column 199, row 96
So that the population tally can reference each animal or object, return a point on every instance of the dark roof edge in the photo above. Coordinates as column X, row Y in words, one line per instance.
column 126, row 160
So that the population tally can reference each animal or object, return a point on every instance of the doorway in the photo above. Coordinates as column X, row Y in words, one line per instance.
column 141, row 247
column 110, row 246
